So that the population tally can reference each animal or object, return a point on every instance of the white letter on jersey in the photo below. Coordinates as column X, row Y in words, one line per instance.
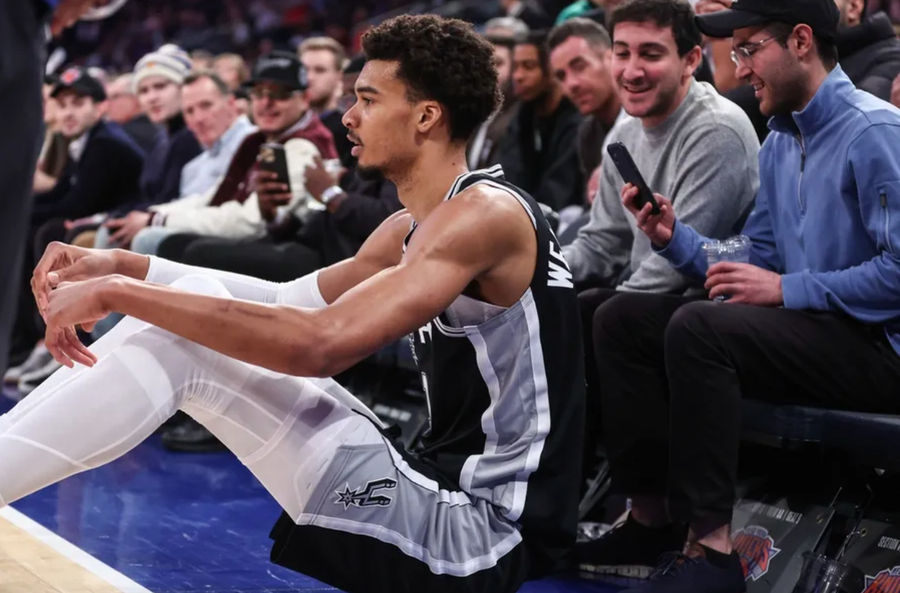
column 560, row 276
column 425, row 329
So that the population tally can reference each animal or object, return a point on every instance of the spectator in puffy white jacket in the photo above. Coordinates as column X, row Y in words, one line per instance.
column 282, row 113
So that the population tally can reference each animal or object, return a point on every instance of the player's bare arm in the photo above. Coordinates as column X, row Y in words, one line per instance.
column 481, row 243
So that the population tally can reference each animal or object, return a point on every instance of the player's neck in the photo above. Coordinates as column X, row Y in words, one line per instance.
column 426, row 183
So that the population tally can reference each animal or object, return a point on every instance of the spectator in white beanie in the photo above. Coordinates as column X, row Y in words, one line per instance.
column 168, row 61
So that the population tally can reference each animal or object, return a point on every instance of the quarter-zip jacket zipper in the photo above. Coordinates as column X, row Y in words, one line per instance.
column 802, row 206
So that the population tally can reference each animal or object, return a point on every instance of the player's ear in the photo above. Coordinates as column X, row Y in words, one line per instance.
column 430, row 113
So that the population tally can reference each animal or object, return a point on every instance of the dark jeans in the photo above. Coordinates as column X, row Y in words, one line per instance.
column 21, row 70
column 672, row 372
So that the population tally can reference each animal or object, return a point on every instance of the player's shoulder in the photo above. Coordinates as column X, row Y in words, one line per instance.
column 488, row 199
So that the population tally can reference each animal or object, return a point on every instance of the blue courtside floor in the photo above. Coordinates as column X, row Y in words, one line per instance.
column 184, row 523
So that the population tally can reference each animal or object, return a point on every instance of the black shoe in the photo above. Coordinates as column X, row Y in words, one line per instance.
column 189, row 436
column 677, row 573
column 629, row 549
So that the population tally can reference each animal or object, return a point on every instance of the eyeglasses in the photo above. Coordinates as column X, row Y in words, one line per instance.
column 276, row 94
column 743, row 54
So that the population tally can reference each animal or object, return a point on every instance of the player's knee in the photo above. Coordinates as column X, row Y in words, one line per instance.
column 200, row 284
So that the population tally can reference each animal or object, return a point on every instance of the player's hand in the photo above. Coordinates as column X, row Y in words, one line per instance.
column 67, row 14
column 270, row 193
column 744, row 283
column 124, row 229
column 318, row 179
column 67, row 263
column 657, row 227
column 72, row 304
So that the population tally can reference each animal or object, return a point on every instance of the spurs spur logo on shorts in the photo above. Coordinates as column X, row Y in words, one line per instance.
column 886, row 581
column 756, row 548
column 366, row 496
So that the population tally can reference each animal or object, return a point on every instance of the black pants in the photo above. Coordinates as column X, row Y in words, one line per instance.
column 21, row 69
column 672, row 373
column 261, row 258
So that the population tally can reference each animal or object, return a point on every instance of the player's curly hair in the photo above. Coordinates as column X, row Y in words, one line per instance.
column 440, row 59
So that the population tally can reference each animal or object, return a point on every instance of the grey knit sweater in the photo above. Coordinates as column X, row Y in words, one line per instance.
column 703, row 158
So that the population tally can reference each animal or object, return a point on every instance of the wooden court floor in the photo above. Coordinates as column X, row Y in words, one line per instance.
column 34, row 560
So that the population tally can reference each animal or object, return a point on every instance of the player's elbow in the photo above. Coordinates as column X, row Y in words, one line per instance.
column 319, row 354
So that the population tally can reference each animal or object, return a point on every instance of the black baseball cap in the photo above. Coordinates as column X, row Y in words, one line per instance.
column 77, row 79
column 821, row 15
column 282, row 68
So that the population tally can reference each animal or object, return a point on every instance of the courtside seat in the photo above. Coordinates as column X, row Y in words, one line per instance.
column 869, row 439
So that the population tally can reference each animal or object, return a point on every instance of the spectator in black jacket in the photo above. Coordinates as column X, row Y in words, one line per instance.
column 539, row 151
column 868, row 48
column 101, row 173
column 104, row 162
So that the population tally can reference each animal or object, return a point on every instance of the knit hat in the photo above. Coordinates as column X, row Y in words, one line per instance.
column 169, row 61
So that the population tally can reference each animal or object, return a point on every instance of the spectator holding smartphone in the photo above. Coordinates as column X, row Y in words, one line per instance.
column 686, row 140
column 813, row 319
column 247, row 199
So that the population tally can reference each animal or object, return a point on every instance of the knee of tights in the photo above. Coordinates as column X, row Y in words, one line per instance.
column 199, row 284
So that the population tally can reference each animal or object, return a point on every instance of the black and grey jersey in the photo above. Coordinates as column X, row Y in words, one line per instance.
column 505, row 390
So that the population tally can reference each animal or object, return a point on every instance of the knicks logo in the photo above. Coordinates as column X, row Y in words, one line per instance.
column 886, row 581
column 756, row 548
column 367, row 496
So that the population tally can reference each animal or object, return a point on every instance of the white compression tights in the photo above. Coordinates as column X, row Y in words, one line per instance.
column 283, row 428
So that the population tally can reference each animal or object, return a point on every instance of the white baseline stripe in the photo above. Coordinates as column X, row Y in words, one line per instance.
column 72, row 552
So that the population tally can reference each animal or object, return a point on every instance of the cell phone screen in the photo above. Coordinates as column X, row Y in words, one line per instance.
column 629, row 172
column 272, row 158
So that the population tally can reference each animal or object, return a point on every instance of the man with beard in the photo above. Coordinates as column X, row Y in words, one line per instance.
column 812, row 319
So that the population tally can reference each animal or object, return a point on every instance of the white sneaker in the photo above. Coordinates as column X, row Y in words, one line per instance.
column 37, row 359
column 29, row 381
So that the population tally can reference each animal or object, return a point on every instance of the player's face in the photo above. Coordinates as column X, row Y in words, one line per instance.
column 382, row 122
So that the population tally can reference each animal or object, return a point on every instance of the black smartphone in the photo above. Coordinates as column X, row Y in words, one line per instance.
column 272, row 158
column 629, row 172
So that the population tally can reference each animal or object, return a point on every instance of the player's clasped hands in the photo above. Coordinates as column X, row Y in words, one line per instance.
column 65, row 284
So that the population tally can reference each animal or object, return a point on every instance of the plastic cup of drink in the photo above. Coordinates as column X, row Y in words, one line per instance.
column 736, row 249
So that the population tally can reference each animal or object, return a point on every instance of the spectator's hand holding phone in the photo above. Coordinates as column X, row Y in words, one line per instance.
column 270, row 193
column 657, row 227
